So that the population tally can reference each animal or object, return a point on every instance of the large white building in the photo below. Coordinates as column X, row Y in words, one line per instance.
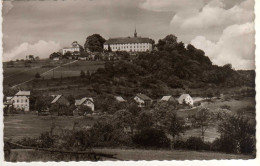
column 129, row 44
column 74, row 47
column 21, row 100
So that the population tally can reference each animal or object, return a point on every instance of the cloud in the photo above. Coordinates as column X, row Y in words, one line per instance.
column 42, row 49
column 214, row 14
column 7, row 6
column 236, row 46
column 171, row 5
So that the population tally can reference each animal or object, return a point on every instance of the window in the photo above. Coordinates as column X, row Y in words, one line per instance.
column 17, row 101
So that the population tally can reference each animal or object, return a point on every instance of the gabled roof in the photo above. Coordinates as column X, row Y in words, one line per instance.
column 120, row 99
column 183, row 96
column 81, row 101
column 9, row 98
column 166, row 98
column 56, row 99
column 143, row 96
column 23, row 93
column 126, row 40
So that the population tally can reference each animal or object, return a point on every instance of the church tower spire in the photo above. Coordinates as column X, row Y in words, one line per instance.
column 135, row 34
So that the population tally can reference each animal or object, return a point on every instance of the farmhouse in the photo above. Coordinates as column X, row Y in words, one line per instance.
column 75, row 47
column 142, row 100
column 167, row 98
column 60, row 100
column 129, row 44
column 120, row 99
column 185, row 98
column 89, row 102
column 21, row 100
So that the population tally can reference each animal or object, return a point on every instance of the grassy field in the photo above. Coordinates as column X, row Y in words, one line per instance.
column 126, row 155
column 235, row 106
column 75, row 68
column 19, row 126
column 17, row 76
column 137, row 154
column 19, row 73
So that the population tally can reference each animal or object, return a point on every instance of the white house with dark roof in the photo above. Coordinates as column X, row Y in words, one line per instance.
column 86, row 101
column 74, row 47
column 21, row 100
column 142, row 99
column 185, row 98
column 129, row 44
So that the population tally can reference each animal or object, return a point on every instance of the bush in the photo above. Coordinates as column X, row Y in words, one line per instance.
column 151, row 138
column 237, row 135
column 195, row 143
column 225, row 107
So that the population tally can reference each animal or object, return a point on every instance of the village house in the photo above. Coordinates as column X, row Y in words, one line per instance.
column 21, row 100
column 185, row 98
column 86, row 101
column 168, row 98
column 8, row 103
column 75, row 47
column 129, row 44
column 56, row 59
column 142, row 100
column 120, row 99
column 60, row 100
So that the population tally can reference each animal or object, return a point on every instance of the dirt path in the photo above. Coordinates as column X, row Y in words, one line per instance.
column 44, row 73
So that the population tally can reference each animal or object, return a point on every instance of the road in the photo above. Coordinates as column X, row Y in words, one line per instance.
column 44, row 73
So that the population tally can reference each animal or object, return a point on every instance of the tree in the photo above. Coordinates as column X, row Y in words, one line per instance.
column 42, row 103
column 67, row 55
column 37, row 75
column 82, row 74
column 237, row 134
column 55, row 55
column 202, row 119
column 109, row 48
column 94, row 43
column 123, row 119
column 71, row 99
column 85, row 110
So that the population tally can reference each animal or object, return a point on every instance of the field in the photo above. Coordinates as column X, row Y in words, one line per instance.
column 127, row 154
column 17, row 126
column 74, row 69
column 65, row 68
column 29, row 125
column 235, row 106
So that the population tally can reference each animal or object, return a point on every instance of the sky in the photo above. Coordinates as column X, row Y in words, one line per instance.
column 223, row 29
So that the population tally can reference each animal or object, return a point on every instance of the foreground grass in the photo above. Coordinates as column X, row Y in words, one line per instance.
column 123, row 154
column 137, row 154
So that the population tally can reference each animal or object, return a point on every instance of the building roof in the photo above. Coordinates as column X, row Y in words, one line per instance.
column 55, row 99
column 166, row 98
column 183, row 96
column 143, row 96
column 8, row 98
column 120, row 98
column 23, row 93
column 126, row 40
column 81, row 101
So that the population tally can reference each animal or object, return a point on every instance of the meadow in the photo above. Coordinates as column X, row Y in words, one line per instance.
column 18, row 126
column 74, row 69
column 19, row 73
